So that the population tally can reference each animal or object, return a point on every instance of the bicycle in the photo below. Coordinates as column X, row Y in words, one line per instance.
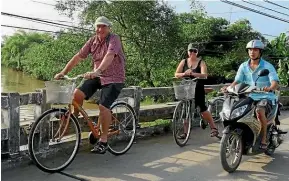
column 57, row 131
column 185, row 112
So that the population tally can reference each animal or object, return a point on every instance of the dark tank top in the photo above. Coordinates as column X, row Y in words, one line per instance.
column 200, row 88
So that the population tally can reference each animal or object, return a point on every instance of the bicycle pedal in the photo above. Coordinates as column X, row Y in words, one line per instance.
column 112, row 129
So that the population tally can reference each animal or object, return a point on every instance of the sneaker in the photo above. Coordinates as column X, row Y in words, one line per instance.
column 100, row 148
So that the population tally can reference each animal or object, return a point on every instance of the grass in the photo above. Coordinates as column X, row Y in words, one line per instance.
column 147, row 101
column 284, row 93
column 158, row 122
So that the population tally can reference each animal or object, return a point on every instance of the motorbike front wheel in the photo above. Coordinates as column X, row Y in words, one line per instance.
column 231, row 151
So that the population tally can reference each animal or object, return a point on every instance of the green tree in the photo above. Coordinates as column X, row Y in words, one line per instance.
column 278, row 48
column 45, row 60
column 13, row 48
column 279, row 51
column 149, row 30
column 221, row 45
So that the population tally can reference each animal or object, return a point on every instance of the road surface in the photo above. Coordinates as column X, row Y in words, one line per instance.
column 160, row 159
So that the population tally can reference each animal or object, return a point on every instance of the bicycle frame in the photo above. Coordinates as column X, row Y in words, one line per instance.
column 95, row 129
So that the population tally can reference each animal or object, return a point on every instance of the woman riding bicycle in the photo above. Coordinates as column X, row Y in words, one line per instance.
column 190, row 68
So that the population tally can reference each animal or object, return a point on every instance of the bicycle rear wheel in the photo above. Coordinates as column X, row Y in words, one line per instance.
column 123, row 128
column 54, row 140
column 182, row 123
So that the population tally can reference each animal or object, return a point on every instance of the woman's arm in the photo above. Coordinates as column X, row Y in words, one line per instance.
column 179, row 73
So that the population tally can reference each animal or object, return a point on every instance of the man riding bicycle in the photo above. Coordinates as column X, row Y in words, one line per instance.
column 108, row 74
column 248, row 73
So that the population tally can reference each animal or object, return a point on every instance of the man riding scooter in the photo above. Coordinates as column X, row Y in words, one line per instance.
column 248, row 73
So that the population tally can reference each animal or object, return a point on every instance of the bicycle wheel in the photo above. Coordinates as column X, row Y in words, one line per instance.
column 122, row 129
column 54, row 140
column 182, row 123
column 215, row 107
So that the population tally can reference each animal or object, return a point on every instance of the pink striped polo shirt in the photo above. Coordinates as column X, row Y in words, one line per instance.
column 115, row 72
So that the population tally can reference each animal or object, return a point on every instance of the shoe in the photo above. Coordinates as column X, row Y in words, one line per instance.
column 214, row 132
column 263, row 146
column 100, row 148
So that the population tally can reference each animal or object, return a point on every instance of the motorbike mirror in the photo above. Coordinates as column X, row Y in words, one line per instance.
column 263, row 72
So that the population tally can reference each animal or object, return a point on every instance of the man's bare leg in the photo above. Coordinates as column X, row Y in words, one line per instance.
column 78, row 96
column 105, row 120
column 262, row 118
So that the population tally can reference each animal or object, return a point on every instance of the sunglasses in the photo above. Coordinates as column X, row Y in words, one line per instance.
column 193, row 50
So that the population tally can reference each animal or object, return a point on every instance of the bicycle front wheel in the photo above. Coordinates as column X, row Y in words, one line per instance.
column 182, row 123
column 54, row 140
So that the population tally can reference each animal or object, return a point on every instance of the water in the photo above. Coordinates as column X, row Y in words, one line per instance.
column 17, row 81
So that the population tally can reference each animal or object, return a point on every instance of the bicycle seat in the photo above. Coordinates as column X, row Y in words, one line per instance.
column 208, row 90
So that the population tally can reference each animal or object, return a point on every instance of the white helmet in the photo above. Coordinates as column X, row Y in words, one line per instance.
column 255, row 44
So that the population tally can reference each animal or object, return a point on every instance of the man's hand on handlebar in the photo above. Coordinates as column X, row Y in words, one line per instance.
column 59, row 76
column 224, row 89
column 87, row 75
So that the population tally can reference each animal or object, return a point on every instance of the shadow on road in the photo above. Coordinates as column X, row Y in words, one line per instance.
column 161, row 159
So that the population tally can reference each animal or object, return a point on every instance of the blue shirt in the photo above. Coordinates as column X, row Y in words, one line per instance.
column 246, row 75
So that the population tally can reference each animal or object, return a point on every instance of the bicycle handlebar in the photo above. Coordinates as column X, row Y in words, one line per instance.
column 255, row 90
column 261, row 90
column 66, row 77
column 187, row 78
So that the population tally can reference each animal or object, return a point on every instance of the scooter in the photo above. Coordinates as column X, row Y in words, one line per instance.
column 242, row 133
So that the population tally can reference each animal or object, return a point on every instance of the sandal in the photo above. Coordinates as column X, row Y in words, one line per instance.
column 263, row 146
column 182, row 136
column 214, row 132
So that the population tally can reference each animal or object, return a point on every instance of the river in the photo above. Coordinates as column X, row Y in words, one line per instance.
column 17, row 81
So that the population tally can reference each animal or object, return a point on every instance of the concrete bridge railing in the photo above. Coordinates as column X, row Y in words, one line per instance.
column 11, row 102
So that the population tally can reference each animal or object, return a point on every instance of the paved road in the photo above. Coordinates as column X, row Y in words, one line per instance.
column 160, row 159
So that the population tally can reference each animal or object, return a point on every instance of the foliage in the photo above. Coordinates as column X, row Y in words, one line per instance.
column 13, row 48
column 155, row 39
column 278, row 50
column 284, row 93
column 45, row 60
column 283, row 71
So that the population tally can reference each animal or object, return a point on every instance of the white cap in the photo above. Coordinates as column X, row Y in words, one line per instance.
column 102, row 21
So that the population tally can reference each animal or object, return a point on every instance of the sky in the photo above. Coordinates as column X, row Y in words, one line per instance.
column 263, row 24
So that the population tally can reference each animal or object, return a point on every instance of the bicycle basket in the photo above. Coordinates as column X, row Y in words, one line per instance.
column 184, row 89
column 59, row 92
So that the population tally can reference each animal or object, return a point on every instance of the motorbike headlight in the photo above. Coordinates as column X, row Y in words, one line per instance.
column 238, row 112
column 226, row 111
